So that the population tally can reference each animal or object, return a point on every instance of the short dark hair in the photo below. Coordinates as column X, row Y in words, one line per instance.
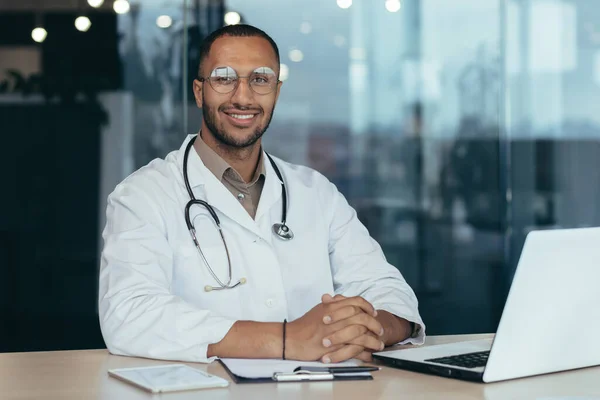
column 241, row 30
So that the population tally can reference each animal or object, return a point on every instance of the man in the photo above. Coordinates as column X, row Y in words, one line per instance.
column 164, row 296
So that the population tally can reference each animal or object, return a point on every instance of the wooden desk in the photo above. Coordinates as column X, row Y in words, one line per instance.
column 82, row 375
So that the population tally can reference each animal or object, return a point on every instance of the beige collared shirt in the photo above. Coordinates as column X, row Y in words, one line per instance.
column 248, row 194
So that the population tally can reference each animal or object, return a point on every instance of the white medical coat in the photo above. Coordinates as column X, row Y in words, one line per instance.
column 152, row 301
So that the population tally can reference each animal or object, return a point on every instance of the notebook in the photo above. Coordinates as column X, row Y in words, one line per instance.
column 265, row 371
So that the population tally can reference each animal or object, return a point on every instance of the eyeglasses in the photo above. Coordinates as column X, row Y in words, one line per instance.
column 225, row 80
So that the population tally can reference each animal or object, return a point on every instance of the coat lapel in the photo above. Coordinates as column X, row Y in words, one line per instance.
column 271, row 192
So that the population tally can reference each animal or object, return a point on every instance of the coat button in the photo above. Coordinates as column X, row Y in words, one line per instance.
column 241, row 196
column 270, row 303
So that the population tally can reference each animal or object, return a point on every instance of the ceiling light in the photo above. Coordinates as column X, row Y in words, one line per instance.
column 296, row 55
column 232, row 18
column 39, row 34
column 306, row 28
column 83, row 24
column 393, row 5
column 284, row 72
column 339, row 40
column 121, row 6
column 344, row 3
column 95, row 3
column 164, row 21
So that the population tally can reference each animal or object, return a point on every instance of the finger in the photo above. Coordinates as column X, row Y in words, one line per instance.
column 360, row 319
column 343, row 354
column 341, row 314
column 365, row 356
column 370, row 322
column 354, row 301
column 326, row 298
column 369, row 342
column 344, row 335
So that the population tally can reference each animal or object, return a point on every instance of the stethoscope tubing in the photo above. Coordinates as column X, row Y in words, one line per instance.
column 280, row 229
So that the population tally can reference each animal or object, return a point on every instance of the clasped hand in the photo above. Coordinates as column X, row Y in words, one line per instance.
column 338, row 329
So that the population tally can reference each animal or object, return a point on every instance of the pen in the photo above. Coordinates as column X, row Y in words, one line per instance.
column 354, row 369
column 282, row 377
column 338, row 370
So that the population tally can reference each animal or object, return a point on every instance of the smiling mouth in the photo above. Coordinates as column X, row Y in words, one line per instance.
column 241, row 120
column 242, row 116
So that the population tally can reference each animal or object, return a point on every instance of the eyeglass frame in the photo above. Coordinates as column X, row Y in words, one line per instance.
column 207, row 79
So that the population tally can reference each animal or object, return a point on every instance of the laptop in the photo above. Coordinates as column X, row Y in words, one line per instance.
column 550, row 321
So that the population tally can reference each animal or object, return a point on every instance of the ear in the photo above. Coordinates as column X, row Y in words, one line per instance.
column 198, row 86
column 278, row 90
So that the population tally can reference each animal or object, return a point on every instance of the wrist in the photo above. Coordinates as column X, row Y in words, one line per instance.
column 272, row 340
column 395, row 329
column 250, row 339
column 283, row 355
column 292, row 349
column 383, row 317
column 274, row 345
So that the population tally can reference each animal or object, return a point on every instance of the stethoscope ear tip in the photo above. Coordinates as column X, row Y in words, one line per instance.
column 209, row 288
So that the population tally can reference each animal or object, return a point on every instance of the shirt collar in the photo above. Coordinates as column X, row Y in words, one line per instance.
column 211, row 160
column 218, row 166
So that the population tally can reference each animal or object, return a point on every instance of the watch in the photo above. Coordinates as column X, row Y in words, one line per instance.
column 415, row 329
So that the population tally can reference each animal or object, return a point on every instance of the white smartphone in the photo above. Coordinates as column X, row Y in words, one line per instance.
column 168, row 378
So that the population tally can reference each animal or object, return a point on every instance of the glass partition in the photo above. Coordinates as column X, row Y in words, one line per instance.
column 453, row 127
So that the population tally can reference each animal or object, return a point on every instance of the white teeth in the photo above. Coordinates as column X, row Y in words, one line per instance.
column 242, row 116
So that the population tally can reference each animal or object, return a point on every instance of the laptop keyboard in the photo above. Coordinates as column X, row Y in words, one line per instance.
column 469, row 360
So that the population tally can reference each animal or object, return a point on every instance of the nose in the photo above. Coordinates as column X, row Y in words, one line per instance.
column 242, row 95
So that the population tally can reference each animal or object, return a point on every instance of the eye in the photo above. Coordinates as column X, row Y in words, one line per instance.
column 261, row 80
column 223, row 76
column 223, row 80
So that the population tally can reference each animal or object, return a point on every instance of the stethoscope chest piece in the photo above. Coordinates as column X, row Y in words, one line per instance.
column 283, row 231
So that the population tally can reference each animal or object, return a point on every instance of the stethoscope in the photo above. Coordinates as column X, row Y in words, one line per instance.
column 280, row 229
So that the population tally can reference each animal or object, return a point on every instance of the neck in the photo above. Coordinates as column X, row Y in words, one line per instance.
column 243, row 160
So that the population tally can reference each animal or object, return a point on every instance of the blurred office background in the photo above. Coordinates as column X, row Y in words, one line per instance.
column 453, row 127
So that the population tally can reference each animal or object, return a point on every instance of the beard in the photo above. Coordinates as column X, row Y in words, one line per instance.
column 209, row 114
